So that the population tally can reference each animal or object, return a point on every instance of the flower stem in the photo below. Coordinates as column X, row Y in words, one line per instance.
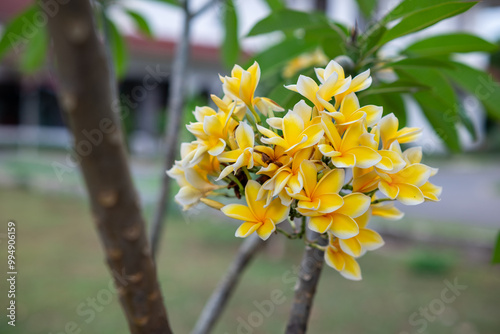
column 254, row 113
column 382, row 200
column 245, row 170
column 235, row 180
column 286, row 234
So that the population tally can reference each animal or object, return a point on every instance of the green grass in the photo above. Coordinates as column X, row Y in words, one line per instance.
column 60, row 265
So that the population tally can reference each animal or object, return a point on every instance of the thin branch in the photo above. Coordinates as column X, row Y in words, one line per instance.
column 219, row 298
column 204, row 8
column 310, row 271
column 174, row 119
column 88, row 101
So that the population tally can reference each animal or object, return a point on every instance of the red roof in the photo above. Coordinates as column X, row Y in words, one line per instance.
column 9, row 9
column 141, row 46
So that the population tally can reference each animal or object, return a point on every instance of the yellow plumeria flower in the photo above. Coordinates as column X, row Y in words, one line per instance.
column 267, row 106
column 255, row 215
column 351, row 112
column 243, row 155
column 389, row 132
column 344, row 263
column 318, row 197
column 309, row 89
column 271, row 159
column 194, row 185
column 328, row 210
column 211, row 133
column 242, row 83
column 346, row 151
column 288, row 176
column 364, row 180
column 226, row 104
column 365, row 240
column 361, row 82
column 392, row 160
column 404, row 185
column 431, row 192
column 300, row 129
column 310, row 59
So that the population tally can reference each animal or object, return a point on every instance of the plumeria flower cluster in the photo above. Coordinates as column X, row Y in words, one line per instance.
column 328, row 163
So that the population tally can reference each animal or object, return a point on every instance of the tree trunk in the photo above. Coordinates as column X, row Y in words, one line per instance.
column 92, row 109
column 310, row 271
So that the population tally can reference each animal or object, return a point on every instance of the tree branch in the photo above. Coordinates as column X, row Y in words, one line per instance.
column 310, row 271
column 92, row 109
column 219, row 298
column 175, row 106
column 204, row 8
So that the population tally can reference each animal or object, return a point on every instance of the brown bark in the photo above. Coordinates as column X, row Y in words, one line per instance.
column 310, row 271
column 219, row 298
column 92, row 110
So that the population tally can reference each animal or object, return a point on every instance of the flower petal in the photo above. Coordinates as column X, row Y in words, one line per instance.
column 334, row 259
column 410, row 194
column 265, row 230
column 388, row 190
column 330, row 183
column 218, row 148
column 246, row 229
column 330, row 203
column 320, row 224
column 244, row 136
column 238, row 211
column 365, row 156
column 351, row 270
column 343, row 227
column 355, row 204
column 369, row 239
column 276, row 211
column 251, row 194
column 351, row 246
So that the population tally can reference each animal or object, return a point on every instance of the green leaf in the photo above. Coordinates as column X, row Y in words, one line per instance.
column 392, row 103
column 370, row 40
column 425, row 18
column 36, row 51
column 275, row 4
column 467, row 122
column 399, row 86
column 439, row 104
column 330, row 37
column 230, row 47
column 141, row 23
column 168, row 2
column 276, row 56
column 333, row 45
column 496, row 251
column 419, row 63
column 407, row 7
column 367, row 7
column 450, row 43
column 17, row 32
column 444, row 127
column 479, row 84
column 118, row 48
column 287, row 20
